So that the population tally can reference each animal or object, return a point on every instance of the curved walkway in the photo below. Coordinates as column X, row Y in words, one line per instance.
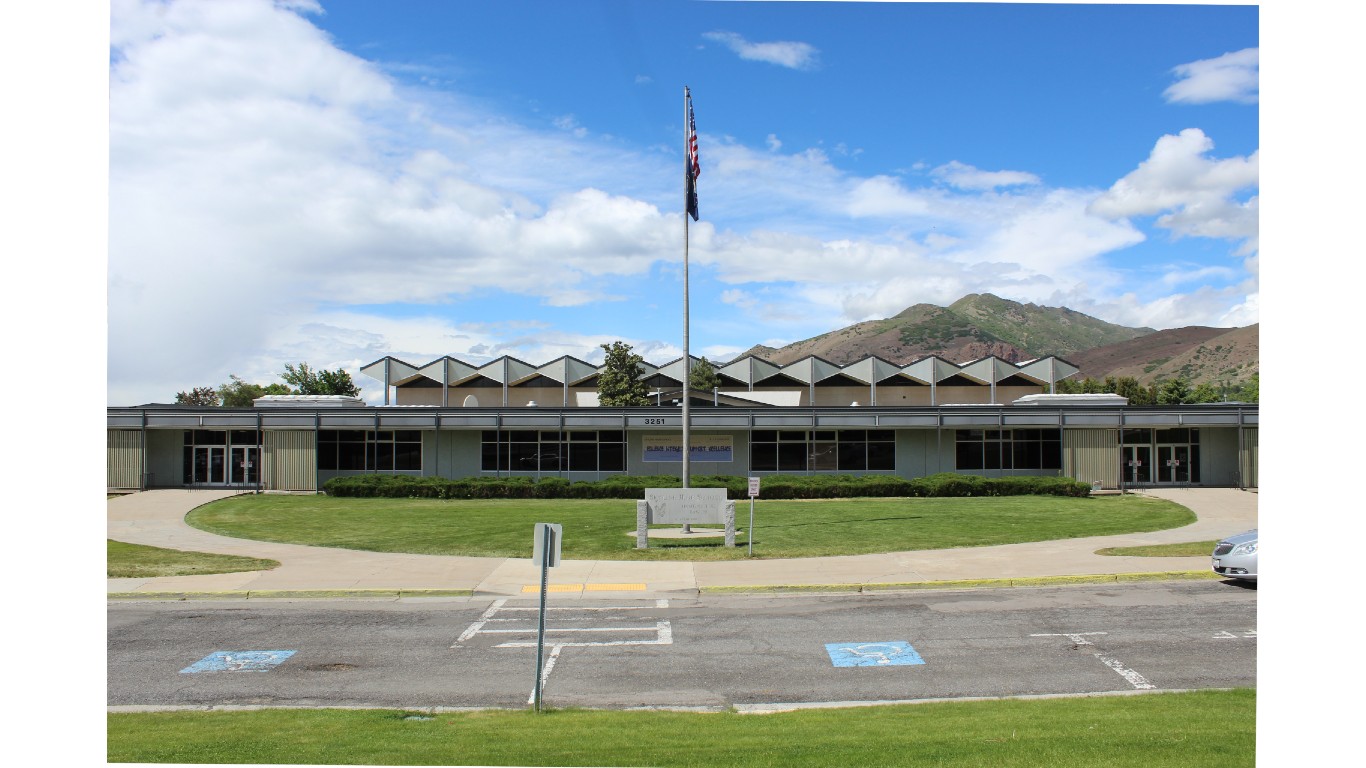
column 157, row 518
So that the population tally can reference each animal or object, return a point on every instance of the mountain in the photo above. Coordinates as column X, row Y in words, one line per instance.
column 1197, row 354
column 979, row 325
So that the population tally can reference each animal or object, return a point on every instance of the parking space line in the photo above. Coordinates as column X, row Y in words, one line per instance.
column 549, row 630
column 478, row 625
column 1077, row 637
column 491, row 623
column 1138, row 681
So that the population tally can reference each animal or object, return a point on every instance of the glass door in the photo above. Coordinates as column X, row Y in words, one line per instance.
column 243, row 465
column 209, row 464
column 1138, row 464
column 1173, row 464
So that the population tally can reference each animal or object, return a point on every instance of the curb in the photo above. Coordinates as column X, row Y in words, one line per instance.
column 260, row 594
column 1036, row 581
column 736, row 709
column 858, row 588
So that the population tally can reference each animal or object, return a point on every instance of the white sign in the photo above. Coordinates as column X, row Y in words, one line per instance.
column 753, row 487
column 686, row 505
column 538, row 544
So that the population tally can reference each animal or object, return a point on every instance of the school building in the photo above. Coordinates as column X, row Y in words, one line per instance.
column 454, row 419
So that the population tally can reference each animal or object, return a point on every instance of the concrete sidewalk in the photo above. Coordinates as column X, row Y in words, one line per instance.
column 157, row 518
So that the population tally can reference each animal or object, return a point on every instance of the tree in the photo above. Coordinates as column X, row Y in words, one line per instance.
column 620, row 384
column 703, row 377
column 1205, row 393
column 197, row 396
column 308, row 382
column 1128, row 386
column 1174, row 392
column 241, row 394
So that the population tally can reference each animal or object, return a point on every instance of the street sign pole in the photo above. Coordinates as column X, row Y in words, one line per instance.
column 546, row 543
column 753, row 492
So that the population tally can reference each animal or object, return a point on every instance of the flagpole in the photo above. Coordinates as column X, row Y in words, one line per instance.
column 687, row 362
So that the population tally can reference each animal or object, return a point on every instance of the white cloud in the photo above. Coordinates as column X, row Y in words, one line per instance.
column 256, row 171
column 1231, row 77
column 571, row 124
column 965, row 176
column 1196, row 196
column 1182, row 275
column 270, row 195
column 793, row 55
column 1245, row 313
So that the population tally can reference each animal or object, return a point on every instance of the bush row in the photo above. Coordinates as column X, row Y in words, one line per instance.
column 633, row 487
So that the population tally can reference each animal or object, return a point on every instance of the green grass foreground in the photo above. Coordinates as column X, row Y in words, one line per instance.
column 136, row 561
column 603, row 529
column 1183, row 549
column 1147, row 731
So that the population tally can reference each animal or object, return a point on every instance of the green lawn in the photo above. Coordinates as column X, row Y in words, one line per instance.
column 139, row 561
column 1149, row 731
column 1183, row 549
column 598, row 529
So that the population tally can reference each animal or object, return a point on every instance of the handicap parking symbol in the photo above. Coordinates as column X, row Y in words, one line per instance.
column 893, row 653
column 238, row 661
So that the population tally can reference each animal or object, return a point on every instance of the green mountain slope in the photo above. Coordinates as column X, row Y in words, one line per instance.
column 981, row 324
column 973, row 327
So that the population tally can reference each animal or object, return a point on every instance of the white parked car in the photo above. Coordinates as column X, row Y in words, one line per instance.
column 1236, row 556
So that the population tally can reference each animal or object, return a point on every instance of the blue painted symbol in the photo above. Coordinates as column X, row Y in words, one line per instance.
column 897, row 652
column 238, row 661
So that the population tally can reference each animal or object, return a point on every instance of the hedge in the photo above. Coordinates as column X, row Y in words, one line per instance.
column 633, row 486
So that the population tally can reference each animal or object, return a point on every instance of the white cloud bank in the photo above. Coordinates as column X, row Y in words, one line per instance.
column 273, row 199
column 1196, row 196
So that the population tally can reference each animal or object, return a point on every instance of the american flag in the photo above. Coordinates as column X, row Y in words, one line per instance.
column 692, row 169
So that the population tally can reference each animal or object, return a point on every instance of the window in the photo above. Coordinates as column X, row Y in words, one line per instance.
column 1136, row 436
column 1190, row 436
column 553, row 451
column 1008, row 449
column 358, row 450
column 845, row 450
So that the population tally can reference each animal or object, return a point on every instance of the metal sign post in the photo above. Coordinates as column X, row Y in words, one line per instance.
column 753, row 493
column 545, row 550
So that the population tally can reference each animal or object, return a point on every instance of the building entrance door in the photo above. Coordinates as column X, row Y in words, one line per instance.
column 1173, row 464
column 1138, row 464
column 209, row 465
column 243, row 465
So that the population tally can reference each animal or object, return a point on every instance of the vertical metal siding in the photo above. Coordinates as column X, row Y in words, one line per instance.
column 1089, row 455
column 1248, row 457
column 291, row 461
column 124, row 458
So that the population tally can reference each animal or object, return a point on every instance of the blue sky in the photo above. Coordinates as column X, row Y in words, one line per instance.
column 338, row 181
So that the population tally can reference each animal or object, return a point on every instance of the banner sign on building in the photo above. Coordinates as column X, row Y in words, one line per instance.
column 659, row 448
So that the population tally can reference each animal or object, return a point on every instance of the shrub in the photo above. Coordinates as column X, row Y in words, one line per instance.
column 633, row 487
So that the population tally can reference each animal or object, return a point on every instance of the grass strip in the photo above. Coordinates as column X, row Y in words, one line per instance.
column 1182, row 549
column 1147, row 731
column 595, row 529
column 137, row 561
